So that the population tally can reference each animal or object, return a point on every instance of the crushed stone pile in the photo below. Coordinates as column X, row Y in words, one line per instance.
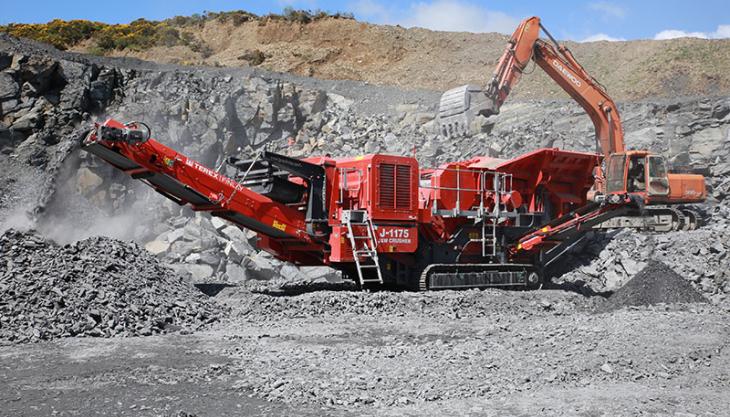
column 96, row 287
column 656, row 283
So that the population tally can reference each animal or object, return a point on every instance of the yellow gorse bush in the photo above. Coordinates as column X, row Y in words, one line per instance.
column 143, row 34
column 60, row 33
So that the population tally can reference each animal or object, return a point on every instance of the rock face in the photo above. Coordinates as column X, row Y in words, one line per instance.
column 96, row 287
column 48, row 97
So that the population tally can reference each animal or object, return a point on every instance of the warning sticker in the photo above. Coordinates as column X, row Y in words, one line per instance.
column 278, row 225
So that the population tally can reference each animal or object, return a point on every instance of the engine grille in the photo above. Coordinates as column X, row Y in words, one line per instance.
column 395, row 187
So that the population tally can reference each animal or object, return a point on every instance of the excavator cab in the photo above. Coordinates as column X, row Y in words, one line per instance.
column 658, row 176
column 646, row 175
column 637, row 172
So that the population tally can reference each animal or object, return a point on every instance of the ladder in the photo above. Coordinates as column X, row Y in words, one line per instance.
column 489, row 238
column 364, row 246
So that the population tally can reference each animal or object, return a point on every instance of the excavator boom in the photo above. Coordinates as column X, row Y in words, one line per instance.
column 514, row 60
column 560, row 64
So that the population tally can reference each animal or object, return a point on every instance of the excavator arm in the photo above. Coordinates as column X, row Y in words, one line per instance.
column 558, row 62
column 515, row 59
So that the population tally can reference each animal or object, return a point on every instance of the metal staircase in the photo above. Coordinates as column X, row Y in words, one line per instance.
column 364, row 246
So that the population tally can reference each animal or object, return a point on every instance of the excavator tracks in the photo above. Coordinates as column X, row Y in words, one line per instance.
column 692, row 219
column 464, row 276
column 682, row 218
column 656, row 219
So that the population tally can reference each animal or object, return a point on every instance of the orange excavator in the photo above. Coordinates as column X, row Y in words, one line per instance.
column 639, row 173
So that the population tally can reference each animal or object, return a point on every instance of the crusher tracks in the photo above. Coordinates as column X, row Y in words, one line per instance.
column 463, row 276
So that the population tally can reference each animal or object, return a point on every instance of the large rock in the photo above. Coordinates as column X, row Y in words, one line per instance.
column 174, row 235
column 199, row 272
column 707, row 143
column 180, row 249
column 291, row 273
column 313, row 102
column 5, row 60
column 29, row 121
column 631, row 266
column 613, row 280
column 8, row 86
column 235, row 273
column 193, row 232
column 320, row 274
column 233, row 233
column 101, row 89
column 157, row 247
column 235, row 251
column 210, row 258
column 218, row 223
column 260, row 268
column 37, row 70
column 87, row 181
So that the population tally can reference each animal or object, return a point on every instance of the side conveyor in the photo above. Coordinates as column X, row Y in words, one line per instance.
column 186, row 181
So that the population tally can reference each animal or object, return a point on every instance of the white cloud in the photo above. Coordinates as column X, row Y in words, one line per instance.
column 722, row 32
column 610, row 9
column 460, row 16
column 602, row 37
column 673, row 34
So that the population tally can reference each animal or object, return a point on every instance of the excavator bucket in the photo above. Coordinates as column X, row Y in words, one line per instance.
column 458, row 108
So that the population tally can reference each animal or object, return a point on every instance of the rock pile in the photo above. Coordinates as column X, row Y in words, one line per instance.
column 656, row 283
column 210, row 249
column 96, row 287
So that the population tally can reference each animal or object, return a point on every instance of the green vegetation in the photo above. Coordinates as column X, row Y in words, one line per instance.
column 138, row 35
column 143, row 34
column 59, row 33
column 306, row 16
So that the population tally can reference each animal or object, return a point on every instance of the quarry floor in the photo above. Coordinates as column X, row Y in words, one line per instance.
column 512, row 354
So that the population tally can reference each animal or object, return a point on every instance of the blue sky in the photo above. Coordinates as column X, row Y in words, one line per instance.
column 575, row 20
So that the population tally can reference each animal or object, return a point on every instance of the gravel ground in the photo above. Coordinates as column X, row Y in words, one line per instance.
column 508, row 354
